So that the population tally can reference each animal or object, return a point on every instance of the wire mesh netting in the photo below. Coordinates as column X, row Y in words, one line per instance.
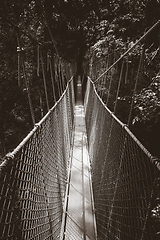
column 123, row 174
column 34, row 176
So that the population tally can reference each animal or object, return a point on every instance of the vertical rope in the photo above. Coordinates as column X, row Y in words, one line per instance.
column 68, row 71
column 53, row 88
column 124, row 145
column 44, row 80
column 91, row 68
column 48, row 59
column 26, row 84
column 110, row 83
column 105, row 77
column 149, row 207
column 38, row 60
column 63, row 75
column 19, row 64
column 47, row 24
column 119, row 84
column 56, row 76
column 101, row 82
column 83, row 190
column 40, row 102
column 59, row 76
column 135, row 86
column 117, row 181
column 126, row 75
column 42, row 166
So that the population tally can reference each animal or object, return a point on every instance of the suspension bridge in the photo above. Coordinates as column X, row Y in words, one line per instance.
column 80, row 173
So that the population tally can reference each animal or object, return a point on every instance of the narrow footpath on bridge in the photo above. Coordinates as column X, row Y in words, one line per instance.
column 80, row 218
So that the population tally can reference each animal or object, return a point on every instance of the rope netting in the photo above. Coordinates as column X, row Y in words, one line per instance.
column 125, row 175
column 34, row 176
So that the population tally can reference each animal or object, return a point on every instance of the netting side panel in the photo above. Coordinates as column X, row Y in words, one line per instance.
column 123, row 177
column 24, row 211
column 131, row 210
column 70, row 109
column 33, row 182
column 89, row 108
column 110, row 164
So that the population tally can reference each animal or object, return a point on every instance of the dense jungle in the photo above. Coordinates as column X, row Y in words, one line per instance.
column 75, row 30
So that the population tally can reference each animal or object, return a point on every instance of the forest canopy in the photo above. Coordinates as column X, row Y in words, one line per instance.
column 68, row 28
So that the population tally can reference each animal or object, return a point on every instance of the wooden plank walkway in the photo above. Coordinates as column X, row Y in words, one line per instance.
column 80, row 220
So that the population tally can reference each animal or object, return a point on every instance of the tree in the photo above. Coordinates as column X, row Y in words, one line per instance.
column 65, row 27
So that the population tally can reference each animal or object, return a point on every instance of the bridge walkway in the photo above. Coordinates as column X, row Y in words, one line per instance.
column 80, row 220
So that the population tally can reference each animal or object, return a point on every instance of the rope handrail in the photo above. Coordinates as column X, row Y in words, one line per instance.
column 36, row 126
column 129, row 50
column 125, row 175
column 33, row 176
column 125, row 126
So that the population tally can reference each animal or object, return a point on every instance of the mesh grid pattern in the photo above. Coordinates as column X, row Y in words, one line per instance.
column 33, row 182
column 75, row 231
column 123, row 175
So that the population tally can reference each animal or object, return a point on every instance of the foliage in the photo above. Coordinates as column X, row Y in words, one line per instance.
column 146, row 120
column 148, row 102
column 69, row 27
